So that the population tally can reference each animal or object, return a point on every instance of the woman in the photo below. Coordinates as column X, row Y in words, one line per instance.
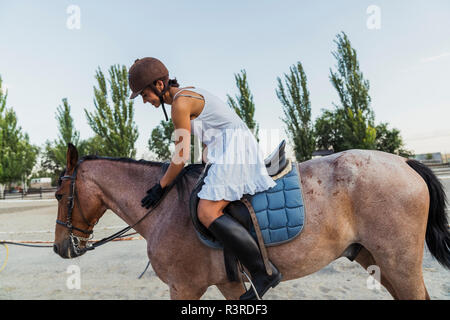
column 237, row 166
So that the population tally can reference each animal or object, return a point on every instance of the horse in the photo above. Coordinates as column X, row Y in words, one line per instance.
column 387, row 204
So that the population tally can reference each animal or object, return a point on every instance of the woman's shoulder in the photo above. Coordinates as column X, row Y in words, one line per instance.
column 189, row 92
column 188, row 101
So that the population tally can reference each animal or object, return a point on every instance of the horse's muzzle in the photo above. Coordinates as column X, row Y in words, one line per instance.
column 67, row 249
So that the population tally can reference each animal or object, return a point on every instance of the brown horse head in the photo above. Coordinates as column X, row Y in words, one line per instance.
column 75, row 220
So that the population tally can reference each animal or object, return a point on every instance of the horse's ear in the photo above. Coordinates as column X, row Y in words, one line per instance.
column 72, row 157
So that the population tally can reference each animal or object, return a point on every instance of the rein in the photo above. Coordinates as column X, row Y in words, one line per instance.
column 76, row 240
column 119, row 233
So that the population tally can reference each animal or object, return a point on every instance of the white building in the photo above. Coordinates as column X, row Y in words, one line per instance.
column 41, row 183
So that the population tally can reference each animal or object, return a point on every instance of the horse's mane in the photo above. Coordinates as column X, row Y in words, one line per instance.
column 128, row 160
column 191, row 170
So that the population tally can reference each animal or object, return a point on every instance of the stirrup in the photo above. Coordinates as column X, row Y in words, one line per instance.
column 249, row 280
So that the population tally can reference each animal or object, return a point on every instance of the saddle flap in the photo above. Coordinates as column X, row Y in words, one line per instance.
column 279, row 210
column 193, row 204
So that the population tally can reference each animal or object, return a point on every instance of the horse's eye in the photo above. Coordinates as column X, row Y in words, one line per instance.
column 58, row 196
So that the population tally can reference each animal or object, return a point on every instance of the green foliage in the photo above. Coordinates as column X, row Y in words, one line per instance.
column 18, row 155
column 94, row 145
column 50, row 166
column 294, row 97
column 67, row 134
column 390, row 141
column 113, row 122
column 243, row 105
column 53, row 159
column 351, row 124
column 356, row 129
column 3, row 97
column 328, row 130
column 53, row 156
column 161, row 139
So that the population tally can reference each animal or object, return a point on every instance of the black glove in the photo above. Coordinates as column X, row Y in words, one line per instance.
column 153, row 195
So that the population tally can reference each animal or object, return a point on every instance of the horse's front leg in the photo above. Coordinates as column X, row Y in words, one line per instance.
column 186, row 292
column 231, row 290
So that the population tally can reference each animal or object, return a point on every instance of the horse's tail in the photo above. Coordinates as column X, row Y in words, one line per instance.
column 437, row 235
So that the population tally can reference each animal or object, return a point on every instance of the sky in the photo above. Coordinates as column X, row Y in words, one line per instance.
column 50, row 50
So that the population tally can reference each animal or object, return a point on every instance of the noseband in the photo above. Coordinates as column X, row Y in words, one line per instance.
column 73, row 197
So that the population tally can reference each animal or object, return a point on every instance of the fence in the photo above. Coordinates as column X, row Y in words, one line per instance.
column 30, row 194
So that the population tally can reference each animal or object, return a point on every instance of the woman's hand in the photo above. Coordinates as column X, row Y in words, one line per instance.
column 154, row 194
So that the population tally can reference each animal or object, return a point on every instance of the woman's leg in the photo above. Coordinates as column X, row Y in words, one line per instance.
column 209, row 210
column 238, row 240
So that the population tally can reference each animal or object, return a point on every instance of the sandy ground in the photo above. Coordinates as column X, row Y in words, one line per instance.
column 111, row 272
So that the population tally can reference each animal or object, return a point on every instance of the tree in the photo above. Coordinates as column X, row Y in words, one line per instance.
column 94, row 145
column 49, row 164
column 161, row 139
column 294, row 97
column 3, row 97
column 328, row 130
column 354, row 112
column 29, row 154
column 160, row 142
column 66, row 127
column 243, row 104
column 53, row 159
column 67, row 134
column 351, row 124
column 390, row 141
column 114, row 124
column 18, row 155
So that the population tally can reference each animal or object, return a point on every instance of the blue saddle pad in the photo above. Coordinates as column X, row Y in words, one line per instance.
column 279, row 210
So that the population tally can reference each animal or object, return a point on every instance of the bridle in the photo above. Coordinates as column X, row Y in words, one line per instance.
column 76, row 240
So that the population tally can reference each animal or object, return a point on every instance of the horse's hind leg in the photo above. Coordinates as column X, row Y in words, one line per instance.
column 403, row 271
column 365, row 259
column 405, row 277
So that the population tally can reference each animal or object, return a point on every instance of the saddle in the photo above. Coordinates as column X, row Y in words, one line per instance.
column 272, row 217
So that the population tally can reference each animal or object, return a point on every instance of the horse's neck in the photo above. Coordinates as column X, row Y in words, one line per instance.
column 123, row 185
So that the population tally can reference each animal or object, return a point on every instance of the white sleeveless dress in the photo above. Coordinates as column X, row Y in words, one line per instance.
column 237, row 163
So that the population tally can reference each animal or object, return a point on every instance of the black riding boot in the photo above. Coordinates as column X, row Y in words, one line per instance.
column 236, row 238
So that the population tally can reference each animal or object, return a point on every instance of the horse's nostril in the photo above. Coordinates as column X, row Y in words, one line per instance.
column 55, row 248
